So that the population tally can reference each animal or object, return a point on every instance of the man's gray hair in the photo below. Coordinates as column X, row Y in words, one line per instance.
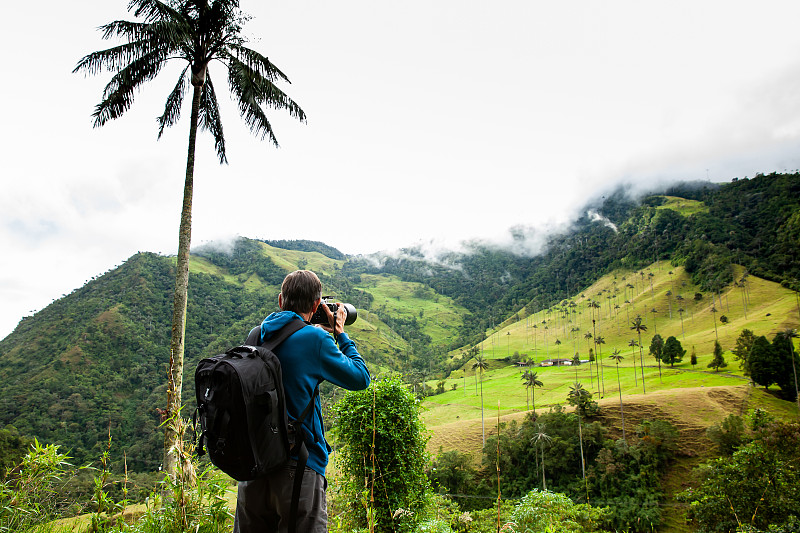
column 300, row 289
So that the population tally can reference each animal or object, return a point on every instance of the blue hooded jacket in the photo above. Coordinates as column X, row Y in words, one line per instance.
column 309, row 357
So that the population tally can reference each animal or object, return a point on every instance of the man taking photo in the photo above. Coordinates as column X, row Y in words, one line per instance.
column 308, row 357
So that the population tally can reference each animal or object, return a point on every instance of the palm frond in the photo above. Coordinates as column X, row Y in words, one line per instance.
column 118, row 94
column 153, row 10
column 125, row 29
column 252, row 91
column 167, row 37
column 210, row 118
column 111, row 59
column 172, row 109
column 258, row 63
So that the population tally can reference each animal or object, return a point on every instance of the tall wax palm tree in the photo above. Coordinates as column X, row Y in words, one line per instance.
column 639, row 327
column 525, row 379
column 633, row 344
column 194, row 33
column 578, row 396
column 481, row 364
column 588, row 336
column 540, row 437
column 714, row 313
column 599, row 340
column 616, row 355
column 576, row 362
column 655, row 327
column 533, row 381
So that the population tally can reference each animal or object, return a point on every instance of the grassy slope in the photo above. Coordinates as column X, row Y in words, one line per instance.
column 771, row 308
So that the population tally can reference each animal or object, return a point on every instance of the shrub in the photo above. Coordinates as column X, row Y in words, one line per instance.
column 30, row 494
column 382, row 457
column 542, row 511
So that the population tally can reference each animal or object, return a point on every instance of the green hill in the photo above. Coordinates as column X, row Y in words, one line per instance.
column 96, row 359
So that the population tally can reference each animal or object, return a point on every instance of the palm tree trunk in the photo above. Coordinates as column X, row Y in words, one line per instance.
column 175, row 384
column 641, row 363
column 544, row 483
column 483, row 428
column 583, row 462
column 621, row 410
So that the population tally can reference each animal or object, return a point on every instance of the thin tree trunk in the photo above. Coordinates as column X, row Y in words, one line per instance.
column 621, row 410
column 175, row 384
column 641, row 363
column 544, row 483
column 583, row 462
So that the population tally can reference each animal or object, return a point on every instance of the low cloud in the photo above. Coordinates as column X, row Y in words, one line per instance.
column 594, row 216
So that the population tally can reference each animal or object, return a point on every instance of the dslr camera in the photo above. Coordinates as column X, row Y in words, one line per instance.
column 320, row 317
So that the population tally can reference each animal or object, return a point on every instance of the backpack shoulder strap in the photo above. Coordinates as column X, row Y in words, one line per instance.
column 254, row 338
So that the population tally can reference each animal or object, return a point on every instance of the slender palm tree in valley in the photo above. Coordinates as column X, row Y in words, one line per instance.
column 533, row 381
column 639, row 327
column 616, row 355
column 479, row 366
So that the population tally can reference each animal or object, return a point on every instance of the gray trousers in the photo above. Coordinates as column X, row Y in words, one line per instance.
column 262, row 505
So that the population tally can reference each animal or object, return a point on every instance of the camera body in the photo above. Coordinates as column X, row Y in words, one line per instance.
column 320, row 317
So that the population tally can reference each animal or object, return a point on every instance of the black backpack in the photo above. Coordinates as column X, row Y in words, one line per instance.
column 242, row 411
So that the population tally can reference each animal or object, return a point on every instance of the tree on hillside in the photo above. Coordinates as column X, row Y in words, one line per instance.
column 763, row 362
column 633, row 344
column 541, row 438
column 654, row 311
column 580, row 397
column 525, row 376
column 195, row 32
column 714, row 313
column 656, row 349
column 639, row 327
column 718, row 361
column 599, row 340
column 576, row 362
column 673, row 352
column 693, row 358
column 616, row 355
column 479, row 366
column 783, row 347
column 741, row 351
column 533, row 381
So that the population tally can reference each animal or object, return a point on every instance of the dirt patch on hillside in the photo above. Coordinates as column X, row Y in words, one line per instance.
column 690, row 410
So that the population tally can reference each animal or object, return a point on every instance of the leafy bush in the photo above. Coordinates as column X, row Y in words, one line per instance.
column 30, row 494
column 758, row 485
column 728, row 434
column 545, row 512
column 382, row 456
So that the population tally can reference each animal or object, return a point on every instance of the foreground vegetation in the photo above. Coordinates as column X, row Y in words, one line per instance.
column 558, row 471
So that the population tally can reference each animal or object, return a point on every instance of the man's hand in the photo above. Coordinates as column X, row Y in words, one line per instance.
column 335, row 323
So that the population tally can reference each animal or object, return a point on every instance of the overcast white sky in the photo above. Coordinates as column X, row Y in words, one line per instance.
column 427, row 120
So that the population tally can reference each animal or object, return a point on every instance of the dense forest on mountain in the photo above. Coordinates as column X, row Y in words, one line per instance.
column 96, row 359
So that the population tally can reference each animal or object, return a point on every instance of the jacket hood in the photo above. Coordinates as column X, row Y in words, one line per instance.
column 276, row 321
